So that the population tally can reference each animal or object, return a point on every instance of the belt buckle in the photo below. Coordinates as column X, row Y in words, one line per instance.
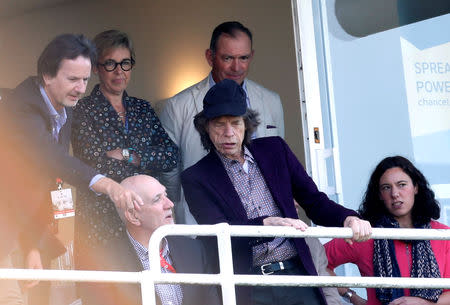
column 263, row 269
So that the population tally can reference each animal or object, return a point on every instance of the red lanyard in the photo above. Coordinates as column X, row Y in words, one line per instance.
column 165, row 264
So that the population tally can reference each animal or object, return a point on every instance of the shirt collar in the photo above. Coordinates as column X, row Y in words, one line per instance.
column 52, row 111
column 248, row 155
column 97, row 93
column 142, row 250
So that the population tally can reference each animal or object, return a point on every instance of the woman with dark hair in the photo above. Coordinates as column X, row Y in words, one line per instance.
column 397, row 196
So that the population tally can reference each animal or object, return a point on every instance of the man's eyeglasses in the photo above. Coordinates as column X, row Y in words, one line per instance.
column 111, row 65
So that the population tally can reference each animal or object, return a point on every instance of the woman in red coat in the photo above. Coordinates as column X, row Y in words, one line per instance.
column 398, row 196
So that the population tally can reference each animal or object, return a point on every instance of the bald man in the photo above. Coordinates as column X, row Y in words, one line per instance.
column 181, row 254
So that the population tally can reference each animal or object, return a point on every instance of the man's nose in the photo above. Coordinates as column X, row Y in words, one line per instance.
column 229, row 130
column 81, row 86
column 168, row 204
column 235, row 65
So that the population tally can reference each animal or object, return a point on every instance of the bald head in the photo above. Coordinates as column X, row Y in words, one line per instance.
column 157, row 208
column 140, row 183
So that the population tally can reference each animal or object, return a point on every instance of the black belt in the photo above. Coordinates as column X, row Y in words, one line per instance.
column 270, row 268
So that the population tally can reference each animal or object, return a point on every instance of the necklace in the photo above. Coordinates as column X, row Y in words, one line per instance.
column 121, row 114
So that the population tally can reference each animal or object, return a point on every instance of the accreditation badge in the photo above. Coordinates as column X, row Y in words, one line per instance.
column 62, row 201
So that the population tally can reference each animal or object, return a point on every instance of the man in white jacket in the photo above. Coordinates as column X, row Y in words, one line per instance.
column 229, row 55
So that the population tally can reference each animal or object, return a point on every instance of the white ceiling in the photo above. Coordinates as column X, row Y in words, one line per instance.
column 12, row 8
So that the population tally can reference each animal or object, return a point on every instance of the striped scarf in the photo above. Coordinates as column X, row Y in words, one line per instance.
column 424, row 264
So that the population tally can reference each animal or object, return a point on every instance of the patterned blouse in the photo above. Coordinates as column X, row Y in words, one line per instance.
column 97, row 129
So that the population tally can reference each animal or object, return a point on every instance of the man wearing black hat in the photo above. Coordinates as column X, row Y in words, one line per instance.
column 254, row 182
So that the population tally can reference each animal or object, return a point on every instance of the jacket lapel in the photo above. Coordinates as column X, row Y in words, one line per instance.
column 199, row 93
column 256, row 103
column 32, row 95
column 270, row 174
column 64, row 133
column 220, row 182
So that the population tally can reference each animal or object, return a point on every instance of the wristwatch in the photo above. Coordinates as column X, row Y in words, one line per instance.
column 126, row 154
column 348, row 295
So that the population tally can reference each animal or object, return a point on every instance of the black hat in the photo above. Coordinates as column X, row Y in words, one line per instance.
column 225, row 98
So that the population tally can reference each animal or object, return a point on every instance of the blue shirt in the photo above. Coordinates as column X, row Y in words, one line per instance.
column 58, row 118
column 58, row 121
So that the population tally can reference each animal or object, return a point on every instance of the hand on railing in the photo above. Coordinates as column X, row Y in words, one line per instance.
column 362, row 230
column 288, row 222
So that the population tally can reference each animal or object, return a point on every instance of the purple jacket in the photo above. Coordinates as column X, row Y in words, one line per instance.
column 212, row 199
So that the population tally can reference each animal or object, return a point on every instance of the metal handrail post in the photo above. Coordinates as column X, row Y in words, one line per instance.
column 226, row 278
column 226, row 264
column 148, row 292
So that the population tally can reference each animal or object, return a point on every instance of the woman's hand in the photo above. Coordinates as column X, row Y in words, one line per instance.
column 117, row 154
column 410, row 301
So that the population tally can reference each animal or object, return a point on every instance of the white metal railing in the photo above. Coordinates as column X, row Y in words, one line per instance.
column 226, row 278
